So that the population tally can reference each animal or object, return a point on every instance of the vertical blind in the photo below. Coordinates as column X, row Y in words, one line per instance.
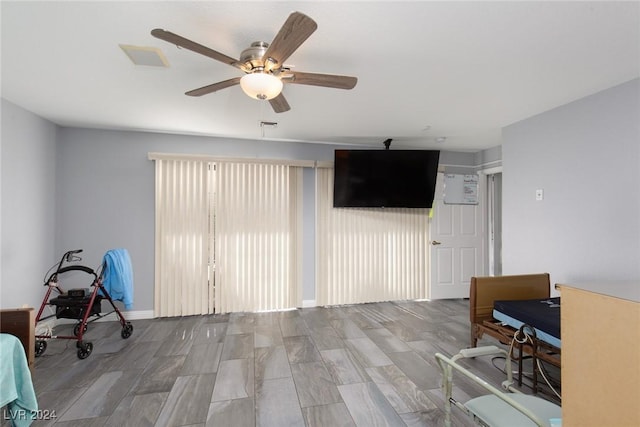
column 227, row 236
column 257, row 237
column 182, row 230
column 367, row 255
column 228, row 239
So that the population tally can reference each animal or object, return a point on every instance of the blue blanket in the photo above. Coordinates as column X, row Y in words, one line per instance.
column 16, row 390
column 117, row 277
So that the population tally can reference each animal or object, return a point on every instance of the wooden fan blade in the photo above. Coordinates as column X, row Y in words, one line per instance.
column 296, row 29
column 325, row 80
column 279, row 104
column 193, row 46
column 214, row 87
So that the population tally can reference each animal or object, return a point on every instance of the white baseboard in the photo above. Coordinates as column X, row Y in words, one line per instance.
column 309, row 303
column 111, row 317
column 129, row 315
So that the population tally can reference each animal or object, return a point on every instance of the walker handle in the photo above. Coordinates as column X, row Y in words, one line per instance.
column 69, row 255
column 87, row 270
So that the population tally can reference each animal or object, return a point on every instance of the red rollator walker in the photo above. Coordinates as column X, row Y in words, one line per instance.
column 77, row 304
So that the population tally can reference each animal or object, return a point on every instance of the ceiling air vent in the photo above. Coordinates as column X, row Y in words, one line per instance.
column 149, row 56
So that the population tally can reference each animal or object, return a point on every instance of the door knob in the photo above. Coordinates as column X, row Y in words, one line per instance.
column 435, row 242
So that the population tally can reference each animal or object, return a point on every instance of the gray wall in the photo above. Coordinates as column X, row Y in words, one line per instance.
column 586, row 158
column 28, row 174
column 489, row 158
column 65, row 188
column 105, row 190
column 102, row 195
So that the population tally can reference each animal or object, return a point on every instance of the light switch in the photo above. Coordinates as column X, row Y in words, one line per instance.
column 539, row 194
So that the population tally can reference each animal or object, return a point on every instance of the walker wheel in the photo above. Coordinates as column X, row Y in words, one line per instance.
column 126, row 330
column 76, row 329
column 41, row 347
column 85, row 350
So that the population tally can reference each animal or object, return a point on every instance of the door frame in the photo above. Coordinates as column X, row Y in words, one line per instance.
column 490, row 221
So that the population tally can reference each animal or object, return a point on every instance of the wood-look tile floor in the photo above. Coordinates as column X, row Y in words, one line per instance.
column 359, row 365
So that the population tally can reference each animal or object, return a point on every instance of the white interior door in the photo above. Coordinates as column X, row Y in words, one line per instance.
column 457, row 241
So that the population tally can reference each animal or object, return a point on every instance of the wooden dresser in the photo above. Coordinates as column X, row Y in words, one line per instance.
column 21, row 323
column 600, row 354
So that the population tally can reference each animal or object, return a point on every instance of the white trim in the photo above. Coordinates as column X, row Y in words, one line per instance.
column 309, row 303
column 111, row 317
column 493, row 162
column 129, row 315
column 441, row 166
column 328, row 164
column 217, row 159
column 491, row 171
column 277, row 310
column 491, row 218
column 138, row 314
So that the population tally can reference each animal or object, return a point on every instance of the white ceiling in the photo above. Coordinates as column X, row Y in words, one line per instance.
column 425, row 69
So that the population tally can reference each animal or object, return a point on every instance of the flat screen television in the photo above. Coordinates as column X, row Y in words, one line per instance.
column 385, row 178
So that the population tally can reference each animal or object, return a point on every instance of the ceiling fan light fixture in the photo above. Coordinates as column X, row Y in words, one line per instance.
column 261, row 85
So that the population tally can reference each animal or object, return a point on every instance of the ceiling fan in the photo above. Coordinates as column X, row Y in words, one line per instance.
column 263, row 64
